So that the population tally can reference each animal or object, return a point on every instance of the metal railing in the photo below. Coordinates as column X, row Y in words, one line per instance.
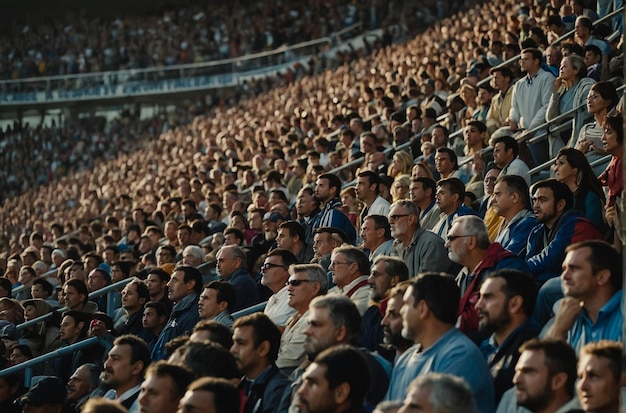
column 158, row 80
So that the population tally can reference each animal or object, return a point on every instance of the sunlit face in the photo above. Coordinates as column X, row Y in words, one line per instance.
column 177, row 288
column 305, row 204
column 342, row 269
column 501, row 156
column 315, row 394
column 563, row 171
column 157, row 395
column 364, row 191
column 492, row 306
column 151, row 319
column 130, row 298
column 598, row 390
column 208, row 307
column 380, row 282
column 528, row 64
column 532, row 381
column 610, row 141
column 502, row 199
column 246, row 354
column 274, row 273
column 446, row 201
column 322, row 190
column 371, row 236
column 490, row 180
column 567, row 71
column 499, row 82
column 400, row 221
column 284, row 239
column 457, row 243
column 320, row 333
column 577, row 277
column 596, row 103
column 323, row 244
column 473, row 137
column 544, row 206
column 118, row 367
column 392, row 321
column 78, row 384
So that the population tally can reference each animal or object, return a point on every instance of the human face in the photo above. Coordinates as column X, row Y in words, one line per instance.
column 301, row 295
column 342, row 269
column 532, row 381
column 30, row 312
column 305, row 204
column 95, row 281
column 208, row 307
column 457, row 243
column 151, row 319
column 183, row 236
column 284, row 239
column 498, row 81
column 255, row 221
column 226, row 265
column 157, row 395
column 368, row 145
column 501, row 156
column 155, row 285
column 246, row 354
column 78, row 384
column 314, row 394
column 117, row 274
column 446, row 201
column 274, row 272
column 417, row 193
column 610, row 141
column 72, row 298
column 130, row 298
column 69, row 330
column 25, row 276
column 197, row 401
column 417, row 401
column 438, row 138
column 380, row 282
column 392, row 322
column 400, row 221
column 544, row 206
column 323, row 244
column 322, row 190
column 490, row 180
column 598, row 391
column 567, row 71
column 492, row 306
column 118, row 369
column 17, row 357
column 473, row 137
column 577, row 278
column 410, row 317
column 596, row 103
column 364, row 190
column 502, row 200
column 177, row 288
column 37, row 291
column 528, row 64
column 563, row 171
column 371, row 236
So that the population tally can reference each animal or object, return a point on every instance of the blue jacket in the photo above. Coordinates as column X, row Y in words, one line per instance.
column 246, row 291
column 545, row 258
column 266, row 391
column 516, row 236
column 182, row 320
column 332, row 217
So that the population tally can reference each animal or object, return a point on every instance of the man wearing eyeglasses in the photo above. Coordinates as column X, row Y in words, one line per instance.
column 468, row 245
column 306, row 281
column 275, row 272
column 350, row 269
column 420, row 249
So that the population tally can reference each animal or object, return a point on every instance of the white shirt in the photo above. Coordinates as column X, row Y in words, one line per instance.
column 278, row 309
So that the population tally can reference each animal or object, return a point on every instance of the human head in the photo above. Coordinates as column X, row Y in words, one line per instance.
column 375, row 230
column 545, row 369
column 256, row 341
column 422, row 190
column 326, row 239
column 530, row 60
column 193, row 255
column 505, row 150
column 550, row 199
column 602, row 96
column 445, row 161
column 291, row 236
column 327, row 187
column 75, row 294
column 83, row 381
column 510, row 195
column 338, row 380
column 439, row 393
column 185, row 280
column 347, row 264
column 205, row 358
column 306, row 281
column 126, row 362
column 466, row 237
column 41, row 288
column 403, row 219
column 134, row 296
column 156, row 281
column 450, row 194
column 275, row 268
column 163, row 387
column 210, row 395
column 217, row 296
column 367, row 186
column 599, row 376
column 214, row 331
column 230, row 258
column 47, row 395
column 385, row 273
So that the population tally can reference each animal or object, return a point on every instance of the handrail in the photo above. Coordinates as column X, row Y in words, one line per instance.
column 235, row 61
column 95, row 294
column 48, row 356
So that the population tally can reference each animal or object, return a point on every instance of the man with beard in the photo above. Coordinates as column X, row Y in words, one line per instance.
column 506, row 303
column 544, row 379
column 327, row 188
column 392, row 321
column 123, row 370
column 334, row 320
column 468, row 245
column 386, row 273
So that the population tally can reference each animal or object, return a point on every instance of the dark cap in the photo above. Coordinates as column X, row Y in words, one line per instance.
column 273, row 216
column 49, row 390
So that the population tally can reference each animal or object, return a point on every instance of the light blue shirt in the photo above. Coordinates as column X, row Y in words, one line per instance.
column 608, row 326
column 453, row 353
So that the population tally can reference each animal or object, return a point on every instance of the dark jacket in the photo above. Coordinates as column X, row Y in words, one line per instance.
column 182, row 320
column 266, row 391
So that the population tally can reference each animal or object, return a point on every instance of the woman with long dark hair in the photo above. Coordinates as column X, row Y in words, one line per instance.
column 613, row 143
column 571, row 168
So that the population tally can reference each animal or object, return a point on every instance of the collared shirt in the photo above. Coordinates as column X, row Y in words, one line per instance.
column 608, row 326
column 225, row 318
column 278, row 309
column 358, row 294
column 112, row 395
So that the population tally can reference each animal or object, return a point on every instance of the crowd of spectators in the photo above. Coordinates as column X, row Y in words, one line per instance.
column 250, row 189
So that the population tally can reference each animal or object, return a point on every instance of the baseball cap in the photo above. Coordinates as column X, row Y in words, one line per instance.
column 273, row 216
column 49, row 390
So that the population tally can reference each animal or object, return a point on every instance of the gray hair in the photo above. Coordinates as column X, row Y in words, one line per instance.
column 314, row 272
column 195, row 251
column 410, row 207
column 234, row 252
column 448, row 393
column 342, row 312
column 578, row 63
column 475, row 226
column 94, row 375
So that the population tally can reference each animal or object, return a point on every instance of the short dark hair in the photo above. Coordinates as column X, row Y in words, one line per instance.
column 225, row 395
column 505, row 71
column 333, row 181
column 236, row 232
column 610, row 350
column 218, row 332
column 518, row 283
column 79, row 286
column 509, row 143
column 427, row 183
column 516, row 184
column 181, row 376
column 441, row 294
column 454, row 185
column 346, row 364
column 451, row 154
column 159, row 307
column 142, row 289
column 560, row 357
column 191, row 274
column 559, row 190
column 264, row 329
column 160, row 272
column 45, row 284
column 209, row 359
column 537, row 55
column 603, row 257
column 394, row 266
column 372, row 178
column 380, row 222
column 593, row 49
column 225, row 292
column 139, row 350
column 294, row 229
column 286, row 256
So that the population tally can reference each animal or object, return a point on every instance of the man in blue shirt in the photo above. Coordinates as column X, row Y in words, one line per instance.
column 428, row 317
